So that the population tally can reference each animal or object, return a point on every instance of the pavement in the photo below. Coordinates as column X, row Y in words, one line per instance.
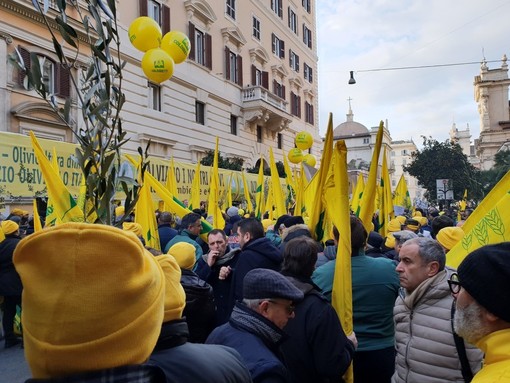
column 13, row 366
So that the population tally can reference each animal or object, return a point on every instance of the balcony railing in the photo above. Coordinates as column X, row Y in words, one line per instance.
column 255, row 93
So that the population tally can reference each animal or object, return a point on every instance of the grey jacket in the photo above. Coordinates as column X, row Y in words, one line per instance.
column 425, row 346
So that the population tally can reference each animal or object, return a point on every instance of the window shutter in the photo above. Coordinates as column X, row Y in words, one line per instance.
column 282, row 49
column 283, row 92
column 288, row 12
column 143, row 8
column 239, row 70
column 208, row 51
column 299, row 106
column 63, row 81
column 291, row 103
column 275, row 87
column 191, row 34
column 265, row 80
column 273, row 42
column 290, row 58
column 165, row 17
column 311, row 114
column 310, row 74
column 227, row 63
column 25, row 55
column 280, row 8
column 253, row 75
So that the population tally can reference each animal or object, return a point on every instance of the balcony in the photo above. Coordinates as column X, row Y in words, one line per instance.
column 265, row 109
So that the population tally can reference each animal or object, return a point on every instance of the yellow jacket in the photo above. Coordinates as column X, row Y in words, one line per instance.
column 496, row 368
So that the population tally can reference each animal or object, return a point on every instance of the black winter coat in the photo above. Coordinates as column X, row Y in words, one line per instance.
column 10, row 282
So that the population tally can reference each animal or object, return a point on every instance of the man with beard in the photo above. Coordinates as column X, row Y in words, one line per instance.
column 424, row 340
column 483, row 308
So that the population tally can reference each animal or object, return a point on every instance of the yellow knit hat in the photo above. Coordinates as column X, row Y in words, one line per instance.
column 93, row 298
column 9, row 227
column 175, row 297
column 449, row 236
column 17, row 212
column 423, row 221
column 119, row 211
column 184, row 254
column 390, row 241
column 394, row 225
column 134, row 227
column 417, row 213
column 401, row 219
column 241, row 212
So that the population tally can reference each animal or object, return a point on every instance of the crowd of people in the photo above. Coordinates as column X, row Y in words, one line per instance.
column 251, row 301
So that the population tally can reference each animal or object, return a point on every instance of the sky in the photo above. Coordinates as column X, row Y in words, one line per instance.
column 363, row 35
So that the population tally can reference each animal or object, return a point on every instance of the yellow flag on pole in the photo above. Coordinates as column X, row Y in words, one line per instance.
column 229, row 190
column 62, row 202
column 463, row 202
column 195, row 189
column 386, row 199
column 145, row 216
column 247, row 197
column 259, row 192
column 171, row 183
column 369, row 194
column 316, row 223
column 291, row 182
column 278, row 198
column 401, row 196
column 213, row 208
column 37, row 219
column 270, row 202
column 341, row 296
column 299, row 207
column 358, row 194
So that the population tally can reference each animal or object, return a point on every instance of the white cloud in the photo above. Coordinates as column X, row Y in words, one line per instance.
column 370, row 34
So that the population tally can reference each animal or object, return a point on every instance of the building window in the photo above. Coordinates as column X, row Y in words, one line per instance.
column 404, row 152
column 231, row 8
column 307, row 36
column 308, row 73
column 278, row 89
column 366, row 140
column 293, row 21
column 309, row 115
column 276, row 6
column 307, row 5
column 259, row 77
column 201, row 46
column 293, row 60
column 233, row 125
column 278, row 46
column 259, row 134
column 256, row 28
column 157, row 11
column 154, row 96
column 280, row 141
column 295, row 104
column 200, row 112
column 404, row 162
column 393, row 153
column 233, row 67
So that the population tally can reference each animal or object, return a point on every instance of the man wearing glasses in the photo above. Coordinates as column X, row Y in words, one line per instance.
column 482, row 292
column 256, row 323
column 190, row 230
column 425, row 345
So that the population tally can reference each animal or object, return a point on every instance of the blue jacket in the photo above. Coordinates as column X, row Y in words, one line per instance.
column 186, row 236
column 258, row 253
column 259, row 355
column 166, row 234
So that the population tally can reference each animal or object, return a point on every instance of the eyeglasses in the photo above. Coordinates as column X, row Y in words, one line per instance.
column 454, row 283
column 288, row 308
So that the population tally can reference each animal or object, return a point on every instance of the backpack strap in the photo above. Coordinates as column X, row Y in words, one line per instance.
column 467, row 374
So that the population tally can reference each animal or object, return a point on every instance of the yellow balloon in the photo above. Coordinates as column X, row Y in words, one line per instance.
column 157, row 65
column 310, row 160
column 304, row 140
column 145, row 33
column 177, row 45
column 295, row 156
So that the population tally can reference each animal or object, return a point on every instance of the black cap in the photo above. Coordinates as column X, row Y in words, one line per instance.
column 266, row 283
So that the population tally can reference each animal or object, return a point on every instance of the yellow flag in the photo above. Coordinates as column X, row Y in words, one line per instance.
column 463, row 202
column 63, row 204
column 247, row 197
column 401, row 196
column 299, row 207
column 291, row 182
column 37, row 219
column 270, row 202
column 213, row 208
column 386, row 199
column 368, row 200
column 358, row 194
column 145, row 216
column 229, row 190
column 195, row 189
column 171, row 183
column 490, row 229
column 174, row 205
column 316, row 223
column 341, row 296
column 259, row 192
column 278, row 198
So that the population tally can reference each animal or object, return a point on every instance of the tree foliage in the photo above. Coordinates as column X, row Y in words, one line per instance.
column 100, row 97
column 232, row 163
column 444, row 160
column 489, row 178
column 267, row 170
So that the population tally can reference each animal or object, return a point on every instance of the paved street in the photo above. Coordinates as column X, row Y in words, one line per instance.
column 13, row 367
